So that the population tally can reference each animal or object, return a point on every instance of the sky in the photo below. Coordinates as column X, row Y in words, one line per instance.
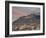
column 18, row 12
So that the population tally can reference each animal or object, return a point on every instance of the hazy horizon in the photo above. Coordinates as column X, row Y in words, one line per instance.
column 23, row 11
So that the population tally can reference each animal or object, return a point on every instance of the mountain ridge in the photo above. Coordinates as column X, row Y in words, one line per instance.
column 29, row 22
column 27, row 18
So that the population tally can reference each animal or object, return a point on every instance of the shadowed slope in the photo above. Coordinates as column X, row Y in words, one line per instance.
column 29, row 22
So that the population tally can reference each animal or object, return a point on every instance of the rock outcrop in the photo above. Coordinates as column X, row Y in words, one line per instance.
column 30, row 22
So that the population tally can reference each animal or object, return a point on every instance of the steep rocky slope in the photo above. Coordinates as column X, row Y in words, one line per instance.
column 29, row 22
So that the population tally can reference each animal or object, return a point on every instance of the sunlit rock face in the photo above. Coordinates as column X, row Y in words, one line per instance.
column 29, row 22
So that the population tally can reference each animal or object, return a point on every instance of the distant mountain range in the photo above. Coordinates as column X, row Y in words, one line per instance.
column 27, row 19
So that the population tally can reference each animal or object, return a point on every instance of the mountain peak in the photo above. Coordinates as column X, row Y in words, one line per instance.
column 27, row 19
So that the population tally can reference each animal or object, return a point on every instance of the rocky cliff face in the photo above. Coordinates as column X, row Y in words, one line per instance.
column 30, row 22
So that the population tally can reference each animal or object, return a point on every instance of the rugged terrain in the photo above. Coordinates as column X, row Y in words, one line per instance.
column 29, row 22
